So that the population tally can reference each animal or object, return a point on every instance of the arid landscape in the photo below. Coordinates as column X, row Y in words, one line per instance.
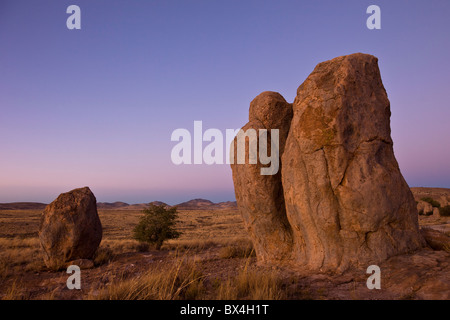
column 185, row 152
column 213, row 259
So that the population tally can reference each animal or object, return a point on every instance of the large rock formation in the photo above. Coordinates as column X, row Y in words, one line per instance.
column 345, row 201
column 260, row 197
column 70, row 228
column 345, row 196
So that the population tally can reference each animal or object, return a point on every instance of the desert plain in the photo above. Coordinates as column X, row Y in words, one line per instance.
column 213, row 259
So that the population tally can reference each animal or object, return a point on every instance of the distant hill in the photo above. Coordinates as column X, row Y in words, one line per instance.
column 203, row 204
column 140, row 206
column 115, row 205
column 195, row 204
column 439, row 194
column 22, row 206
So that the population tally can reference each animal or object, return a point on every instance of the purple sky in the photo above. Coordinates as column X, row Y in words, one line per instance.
column 96, row 107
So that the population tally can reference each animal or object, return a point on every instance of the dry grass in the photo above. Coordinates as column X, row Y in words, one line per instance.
column 238, row 249
column 182, row 280
column 252, row 284
column 18, row 254
column 12, row 293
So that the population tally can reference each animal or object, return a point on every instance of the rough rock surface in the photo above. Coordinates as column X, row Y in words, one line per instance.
column 345, row 196
column 345, row 201
column 260, row 197
column 424, row 208
column 435, row 239
column 70, row 228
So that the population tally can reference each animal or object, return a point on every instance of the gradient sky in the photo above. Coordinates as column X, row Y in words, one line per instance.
column 96, row 107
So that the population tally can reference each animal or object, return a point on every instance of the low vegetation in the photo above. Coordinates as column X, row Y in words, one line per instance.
column 19, row 255
column 185, row 280
column 182, row 280
column 422, row 213
column 252, row 284
column 444, row 211
column 431, row 201
column 242, row 249
column 157, row 225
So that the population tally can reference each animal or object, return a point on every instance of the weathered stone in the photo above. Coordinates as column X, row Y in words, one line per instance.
column 346, row 199
column 435, row 239
column 424, row 208
column 70, row 228
column 260, row 197
column 341, row 200
column 436, row 212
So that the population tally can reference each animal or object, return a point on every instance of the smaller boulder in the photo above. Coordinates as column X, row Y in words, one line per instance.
column 70, row 228
column 424, row 208
column 436, row 212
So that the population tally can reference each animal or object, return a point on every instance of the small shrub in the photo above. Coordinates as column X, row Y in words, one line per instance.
column 444, row 211
column 431, row 201
column 157, row 225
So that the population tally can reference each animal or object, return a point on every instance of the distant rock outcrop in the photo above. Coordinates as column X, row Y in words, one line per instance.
column 70, row 228
column 345, row 200
column 424, row 208
column 441, row 195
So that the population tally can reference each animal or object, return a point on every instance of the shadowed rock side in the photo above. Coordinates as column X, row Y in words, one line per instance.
column 346, row 199
column 70, row 228
column 260, row 197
